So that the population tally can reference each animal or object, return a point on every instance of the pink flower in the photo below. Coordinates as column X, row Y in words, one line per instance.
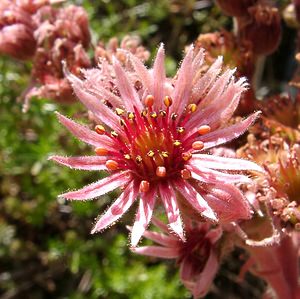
column 197, row 257
column 156, row 138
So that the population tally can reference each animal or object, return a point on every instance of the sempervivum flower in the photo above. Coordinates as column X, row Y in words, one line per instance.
column 198, row 257
column 154, row 141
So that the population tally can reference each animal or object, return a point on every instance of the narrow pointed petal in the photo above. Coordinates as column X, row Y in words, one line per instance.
column 216, row 162
column 221, row 136
column 162, row 239
column 228, row 202
column 207, row 276
column 162, row 226
column 195, row 200
column 210, row 176
column 183, row 85
column 168, row 198
column 128, row 93
column 159, row 77
column 206, row 80
column 100, row 187
column 157, row 251
column 196, row 65
column 118, row 208
column 101, row 111
column 143, row 216
column 142, row 72
column 84, row 163
column 85, row 134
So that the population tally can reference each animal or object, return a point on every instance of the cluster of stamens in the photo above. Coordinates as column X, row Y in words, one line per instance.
column 154, row 144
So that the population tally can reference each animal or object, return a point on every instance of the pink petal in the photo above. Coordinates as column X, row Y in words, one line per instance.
column 216, row 162
column 228, row 202
column 159, row 77
column 195, row 199
column 162, row 226
column 197, row 64
column 206, row 80
column 162, row 239
column 157, row 251
column 85, row 134
column 226, row 134
column 142, row 72
column 210, row 176
column 128, row 93
column 182, row 91
column 143, row 216
column 207, row 276
column 168, row 198
column 100, row 187
column 85, row 163
column 118, row 208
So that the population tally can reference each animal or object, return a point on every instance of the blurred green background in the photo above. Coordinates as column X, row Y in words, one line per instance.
column 46, row 250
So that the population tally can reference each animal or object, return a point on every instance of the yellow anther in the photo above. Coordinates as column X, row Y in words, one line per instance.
column 119, row 111
column 138, row 159
column 153, row 114
column 131, row 115
column 176, row 143
column 162, row 113
column 144, row 113
column 127, row 156
column 100, row 129
column 192, row 107
column 114, row 134
column 168, row 101
column 150, row 154
column 165, row 154
column 180, row 129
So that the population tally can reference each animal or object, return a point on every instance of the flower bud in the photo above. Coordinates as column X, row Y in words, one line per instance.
column 236, row 8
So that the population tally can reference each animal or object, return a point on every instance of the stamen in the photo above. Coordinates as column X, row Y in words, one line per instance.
column 185, row 174
column 186, row 156
column 131, row 115
column 176, row 143
column 165, row 154
column 138, row 159
column 192, row 108
column 174, row 116
column 162, row 113
column 153, row 114
column 204, row 129
column 100, row 151
column 100, row 129
column 144, row 113
column 114, row 134
column 149, row 100
column 151, row 154
column 122, row 122
column 180, row 129
column 144, row 186
column 161, row 171
column 127, row 156
column 168, row 101
column 119, row 111
column 198, row 145
column 112, row 165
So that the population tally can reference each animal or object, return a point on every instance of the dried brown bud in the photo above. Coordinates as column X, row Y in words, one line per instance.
column 236, row 8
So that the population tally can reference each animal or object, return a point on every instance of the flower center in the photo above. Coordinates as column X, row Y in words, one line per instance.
column 153, row 144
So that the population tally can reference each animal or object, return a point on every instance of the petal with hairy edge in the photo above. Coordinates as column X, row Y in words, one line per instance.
column 85, row 134
column 100, row 187
column 210, row 176
column 162, row 239
column 228, row 202
column 221, row 136
column 196, row 65
column 159, row 77
column 216, row 162
column 182, row 91
column 168, row 198
column 142, row 72
column 205, row 279
column 128, row 93
column 201, row 86
column 157, row 251
column 143, row 216
column 195, row 199
column 118, row 208
column 84, row 163
column 107, row 95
